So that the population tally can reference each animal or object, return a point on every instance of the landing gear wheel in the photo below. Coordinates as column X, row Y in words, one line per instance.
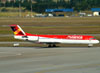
column 49, row 45
column 54, row 45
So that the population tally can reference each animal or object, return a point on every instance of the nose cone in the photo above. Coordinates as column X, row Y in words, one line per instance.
column 97, row 41
column 94, row 41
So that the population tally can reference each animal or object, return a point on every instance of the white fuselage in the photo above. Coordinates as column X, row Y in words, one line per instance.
column 55, row 40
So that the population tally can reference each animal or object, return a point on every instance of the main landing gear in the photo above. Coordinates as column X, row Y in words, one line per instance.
column 52, row 45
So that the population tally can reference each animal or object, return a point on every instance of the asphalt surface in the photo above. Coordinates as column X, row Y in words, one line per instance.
column 49, row 60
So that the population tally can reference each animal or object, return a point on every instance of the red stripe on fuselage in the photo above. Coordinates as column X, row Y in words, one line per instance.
column 68, row 37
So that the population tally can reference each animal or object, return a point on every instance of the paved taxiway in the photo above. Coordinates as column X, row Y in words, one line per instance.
column 49, row 60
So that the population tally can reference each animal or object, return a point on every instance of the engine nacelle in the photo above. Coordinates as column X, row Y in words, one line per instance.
column 28, row 38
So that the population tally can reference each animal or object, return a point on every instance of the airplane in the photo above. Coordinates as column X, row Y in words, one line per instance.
column 52, row 40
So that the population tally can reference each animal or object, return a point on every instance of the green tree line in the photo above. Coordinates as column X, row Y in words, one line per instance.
column 41, row 5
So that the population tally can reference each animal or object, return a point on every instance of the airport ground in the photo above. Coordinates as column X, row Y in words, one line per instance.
column 37, row 58
column 49, row 60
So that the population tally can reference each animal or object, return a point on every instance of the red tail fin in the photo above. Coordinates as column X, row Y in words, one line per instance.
column 17, row 30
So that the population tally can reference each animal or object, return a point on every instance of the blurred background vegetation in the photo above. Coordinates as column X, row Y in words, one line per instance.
column 39, row 6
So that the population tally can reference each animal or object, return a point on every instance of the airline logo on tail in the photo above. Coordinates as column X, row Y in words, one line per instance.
column 17, row 30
